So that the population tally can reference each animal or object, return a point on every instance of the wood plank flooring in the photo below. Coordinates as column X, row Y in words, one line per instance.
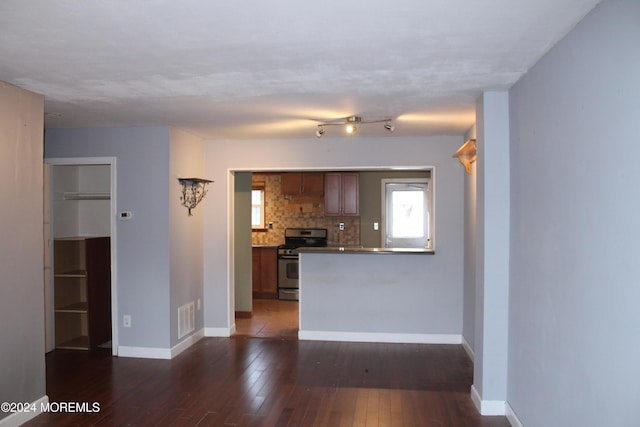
column 271, row 319
column 244, row 381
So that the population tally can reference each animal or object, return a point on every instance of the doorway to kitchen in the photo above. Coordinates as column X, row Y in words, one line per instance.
column 80, row 254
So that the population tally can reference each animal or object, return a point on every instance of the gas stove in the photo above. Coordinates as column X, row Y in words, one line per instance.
column 295, row 238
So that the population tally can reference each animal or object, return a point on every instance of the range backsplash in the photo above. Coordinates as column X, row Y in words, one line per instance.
column 302, row 212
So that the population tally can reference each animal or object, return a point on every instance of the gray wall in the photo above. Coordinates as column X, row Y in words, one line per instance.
column 492, row 251
column 22, row 367
column 333, row 153
column 143, row 255
column 574, row 323
column 470, row 255
column 186, row 232
column 379, row 294
column 242, row 244
column 371, row 202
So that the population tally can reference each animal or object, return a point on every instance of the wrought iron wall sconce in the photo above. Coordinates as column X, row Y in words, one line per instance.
column 466, row 154
column 193, row 191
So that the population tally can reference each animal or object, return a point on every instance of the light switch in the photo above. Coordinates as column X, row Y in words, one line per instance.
column 375, row 226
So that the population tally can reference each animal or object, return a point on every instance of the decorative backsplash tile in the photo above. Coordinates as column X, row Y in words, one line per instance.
column 300, row 212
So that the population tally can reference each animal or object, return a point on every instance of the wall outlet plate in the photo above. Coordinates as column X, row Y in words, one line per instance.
column 341, row 226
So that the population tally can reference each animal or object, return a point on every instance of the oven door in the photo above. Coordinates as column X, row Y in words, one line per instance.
column 288, row 272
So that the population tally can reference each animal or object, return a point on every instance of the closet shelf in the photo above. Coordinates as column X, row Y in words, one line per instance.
column 78, row 307
column 72, row 195
column 72, row 273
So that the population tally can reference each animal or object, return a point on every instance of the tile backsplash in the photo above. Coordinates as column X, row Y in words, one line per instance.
column 300, row 212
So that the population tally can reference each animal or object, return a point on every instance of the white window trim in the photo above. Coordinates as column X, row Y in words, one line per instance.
column 431, row 198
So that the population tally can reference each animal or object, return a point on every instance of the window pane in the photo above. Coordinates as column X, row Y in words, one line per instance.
column 408, row 214
column 257, row 208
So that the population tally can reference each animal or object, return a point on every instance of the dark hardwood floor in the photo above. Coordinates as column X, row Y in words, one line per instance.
column 244, row 381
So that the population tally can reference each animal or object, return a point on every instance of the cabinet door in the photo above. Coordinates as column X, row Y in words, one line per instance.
column 255, row 270
column 313, row 183
column 269, row 272
column 265, row 272
column 350, row 194
column 291, row 183
column 332, row 194
column 341, row 194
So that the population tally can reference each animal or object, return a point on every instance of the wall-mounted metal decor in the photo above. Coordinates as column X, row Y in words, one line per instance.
column 193, row 191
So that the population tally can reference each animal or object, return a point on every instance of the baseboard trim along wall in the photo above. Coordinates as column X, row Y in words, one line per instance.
column 219, row 332
column 380, row 337
column 467, row 348
column 161, row 353
column 487, row 407
column 512, row 417
column 18, row 418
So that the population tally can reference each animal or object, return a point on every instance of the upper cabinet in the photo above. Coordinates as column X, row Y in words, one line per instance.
column 341, row 194
column 302, row 184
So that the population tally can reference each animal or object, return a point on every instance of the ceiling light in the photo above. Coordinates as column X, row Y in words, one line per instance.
column 350, row 124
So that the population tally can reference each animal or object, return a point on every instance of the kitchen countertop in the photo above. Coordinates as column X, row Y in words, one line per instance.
column 359, row 250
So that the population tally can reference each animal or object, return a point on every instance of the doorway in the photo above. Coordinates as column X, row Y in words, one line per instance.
column 80, row 254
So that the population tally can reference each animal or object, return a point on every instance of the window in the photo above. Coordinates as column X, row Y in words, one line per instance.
column 407, row 213
column 257, row 206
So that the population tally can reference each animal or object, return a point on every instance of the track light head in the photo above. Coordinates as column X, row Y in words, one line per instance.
column 389, row 127
column 320, row 132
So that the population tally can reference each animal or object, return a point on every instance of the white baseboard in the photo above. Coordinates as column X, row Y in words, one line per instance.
column 512, row 417
column 18, row 418
column 380, row 337
column 144, row 352
column 219, row 332
column 161, row 353
column 487, row 407
column 467, row 348
column 186, row 343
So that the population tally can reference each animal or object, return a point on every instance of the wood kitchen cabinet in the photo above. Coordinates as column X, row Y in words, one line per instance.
column 82, row 288
column 342, row 194
column 302, row 183
column 265, row 272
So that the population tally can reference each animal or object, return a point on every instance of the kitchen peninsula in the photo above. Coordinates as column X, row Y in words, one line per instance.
column 375, row 295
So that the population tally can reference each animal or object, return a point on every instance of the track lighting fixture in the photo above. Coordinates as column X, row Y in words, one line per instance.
column 350, row 124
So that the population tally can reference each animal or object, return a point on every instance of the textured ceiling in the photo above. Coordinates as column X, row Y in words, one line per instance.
column 266, row 69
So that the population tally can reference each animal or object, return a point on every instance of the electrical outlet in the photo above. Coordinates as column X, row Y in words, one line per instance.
column 341, row 226
column 375, row 225
column 126, row 321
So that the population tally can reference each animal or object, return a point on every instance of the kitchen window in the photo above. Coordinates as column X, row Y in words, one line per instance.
column 257, row 206
column 407, row 213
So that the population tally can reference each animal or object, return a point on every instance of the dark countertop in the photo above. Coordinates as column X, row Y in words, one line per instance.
column 359, row 250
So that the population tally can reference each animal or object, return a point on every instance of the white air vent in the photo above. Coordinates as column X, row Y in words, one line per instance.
column 186, row 319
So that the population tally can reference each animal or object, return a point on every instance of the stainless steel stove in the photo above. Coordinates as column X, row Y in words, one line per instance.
column 288, row 268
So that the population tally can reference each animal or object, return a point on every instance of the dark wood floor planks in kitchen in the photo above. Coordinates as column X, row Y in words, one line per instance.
column 243, row 381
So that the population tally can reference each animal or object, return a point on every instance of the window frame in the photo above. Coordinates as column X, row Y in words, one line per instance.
column 259, row 186
column 430, row 196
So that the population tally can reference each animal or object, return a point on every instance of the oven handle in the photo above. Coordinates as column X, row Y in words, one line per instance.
column 287, row 256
